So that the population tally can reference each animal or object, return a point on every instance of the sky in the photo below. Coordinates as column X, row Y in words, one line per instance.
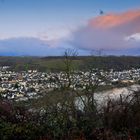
column 48, row 27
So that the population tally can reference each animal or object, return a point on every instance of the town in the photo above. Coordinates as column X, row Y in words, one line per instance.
column 31, row 84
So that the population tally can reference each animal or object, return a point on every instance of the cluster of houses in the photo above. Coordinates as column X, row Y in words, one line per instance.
column 30, row 84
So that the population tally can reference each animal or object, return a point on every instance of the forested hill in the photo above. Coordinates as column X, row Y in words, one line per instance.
column 79, row 62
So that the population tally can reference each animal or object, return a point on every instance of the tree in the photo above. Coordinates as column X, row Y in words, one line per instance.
column 69, row 56
column 16, row 86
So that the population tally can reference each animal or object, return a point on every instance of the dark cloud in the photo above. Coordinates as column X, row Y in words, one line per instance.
column 27, row 46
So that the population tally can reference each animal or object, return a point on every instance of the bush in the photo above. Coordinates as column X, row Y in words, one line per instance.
column 118, row 119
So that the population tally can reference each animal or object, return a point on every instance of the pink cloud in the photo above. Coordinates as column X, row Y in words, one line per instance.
column 114, row 20
column 109, row 32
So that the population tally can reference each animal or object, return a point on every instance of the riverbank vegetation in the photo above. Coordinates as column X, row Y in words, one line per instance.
column 61, row 119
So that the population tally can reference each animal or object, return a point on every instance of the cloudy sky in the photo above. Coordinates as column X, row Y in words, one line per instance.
column 48, row 27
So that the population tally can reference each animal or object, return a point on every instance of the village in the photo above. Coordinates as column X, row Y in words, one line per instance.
column 25, row 85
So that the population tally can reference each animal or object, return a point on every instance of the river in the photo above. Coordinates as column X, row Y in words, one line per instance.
column 102, row 97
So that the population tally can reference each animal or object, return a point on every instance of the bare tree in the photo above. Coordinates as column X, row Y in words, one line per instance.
column 69, row 56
